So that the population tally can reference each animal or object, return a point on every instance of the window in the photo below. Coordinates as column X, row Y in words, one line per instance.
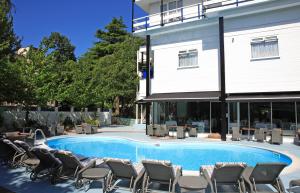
column 188, row 58
column 171, row 11
column 264, row 47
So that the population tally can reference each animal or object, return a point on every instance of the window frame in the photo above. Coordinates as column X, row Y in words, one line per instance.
column 186, row 54
column 263, row 40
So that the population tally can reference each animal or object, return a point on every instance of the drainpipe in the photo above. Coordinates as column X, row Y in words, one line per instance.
column 222, row 74
column 161, row 13
column 148, row 39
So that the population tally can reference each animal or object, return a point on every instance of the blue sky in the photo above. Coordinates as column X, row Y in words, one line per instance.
column 77, row 19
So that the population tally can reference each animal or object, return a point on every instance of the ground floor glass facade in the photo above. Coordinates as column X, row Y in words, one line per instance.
column 263, row 115
column 284, row 115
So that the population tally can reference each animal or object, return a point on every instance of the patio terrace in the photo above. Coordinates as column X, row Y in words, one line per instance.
column 18, row 181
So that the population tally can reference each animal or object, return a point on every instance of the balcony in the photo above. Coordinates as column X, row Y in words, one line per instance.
column 187, row 13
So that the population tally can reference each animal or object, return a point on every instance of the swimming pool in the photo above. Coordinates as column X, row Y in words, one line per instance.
column 189, row 155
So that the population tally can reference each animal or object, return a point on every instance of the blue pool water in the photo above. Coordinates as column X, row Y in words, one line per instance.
column 189, row 155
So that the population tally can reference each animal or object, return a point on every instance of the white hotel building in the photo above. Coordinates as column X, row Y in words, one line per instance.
column 220, row 63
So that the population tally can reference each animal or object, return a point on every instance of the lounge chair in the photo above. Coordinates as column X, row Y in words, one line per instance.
column 29, row 160
column 297, row 138
column 236, row 134
column 224, row 174
column 71, row 164
column 14, row 153
column 160, row 130
column 193, row 132
column 294, row 186
column 276, row 136
column 88, row 129
column 49, row 165
column 6, row 152
column 259, row 134
column 150, row 130
column 264, row 173
column 79, row 129
column 162, row 172
column 172, row 127
column 180, row 132
column 122, row 169
column 60, row 129
column 164, row 129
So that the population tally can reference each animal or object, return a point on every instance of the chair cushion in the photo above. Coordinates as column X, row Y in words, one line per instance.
column 163, row 162
column 126, row 161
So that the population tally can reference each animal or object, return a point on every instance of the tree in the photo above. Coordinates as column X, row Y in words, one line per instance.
column 10, row 42
column 58, row 47
column 112, row 64
column 10, row 86
column 57, row 71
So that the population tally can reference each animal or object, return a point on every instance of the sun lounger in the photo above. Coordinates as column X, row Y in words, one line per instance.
column 49, row 165
column 294, row 186
column 122, row 169
column 71, row 164
column 224, row 174
column 162, row 172
column 180, row 132
column 28, row 159
column 297, row 138
column 150, row 130
column 259, row 134
column 79, row 129
column 276, row 136
column 14, row 153
column 193, row 132
column 88, row 129
column 4, row 151
column 236, row 134
column 160, row 130
column 60, row 129
column 264, row 173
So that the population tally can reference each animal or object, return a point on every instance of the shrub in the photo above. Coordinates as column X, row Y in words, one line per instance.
column 92, row 121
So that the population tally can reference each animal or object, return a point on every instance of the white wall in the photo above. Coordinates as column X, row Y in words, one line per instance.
column 168, row 78
column 274, row 75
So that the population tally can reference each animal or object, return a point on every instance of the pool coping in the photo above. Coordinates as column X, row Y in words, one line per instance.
column 293, row 167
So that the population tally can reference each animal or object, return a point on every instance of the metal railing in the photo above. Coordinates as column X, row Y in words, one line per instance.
column 187, row 13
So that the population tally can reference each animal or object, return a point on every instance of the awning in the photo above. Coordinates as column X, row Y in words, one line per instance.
column 183, row 96
column 266, row 97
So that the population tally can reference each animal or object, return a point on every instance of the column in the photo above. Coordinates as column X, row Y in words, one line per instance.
column 222, row 78
column 147, row 80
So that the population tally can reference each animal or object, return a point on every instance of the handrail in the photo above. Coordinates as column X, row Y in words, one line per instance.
column 177, row 9
column 149, row 21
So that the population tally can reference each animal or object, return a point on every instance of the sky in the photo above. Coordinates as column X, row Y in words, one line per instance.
column 76, row 19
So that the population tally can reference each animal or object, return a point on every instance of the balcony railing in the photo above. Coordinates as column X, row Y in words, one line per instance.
column 187, row 13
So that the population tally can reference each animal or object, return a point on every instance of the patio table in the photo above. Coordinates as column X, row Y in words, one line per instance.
column 97, row 174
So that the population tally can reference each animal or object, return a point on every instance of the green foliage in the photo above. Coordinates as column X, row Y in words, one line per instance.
column 92, row 121
column 10, row 88
column 9, row 42
column 112, row 65
column 102, row 76
column 58, row 48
